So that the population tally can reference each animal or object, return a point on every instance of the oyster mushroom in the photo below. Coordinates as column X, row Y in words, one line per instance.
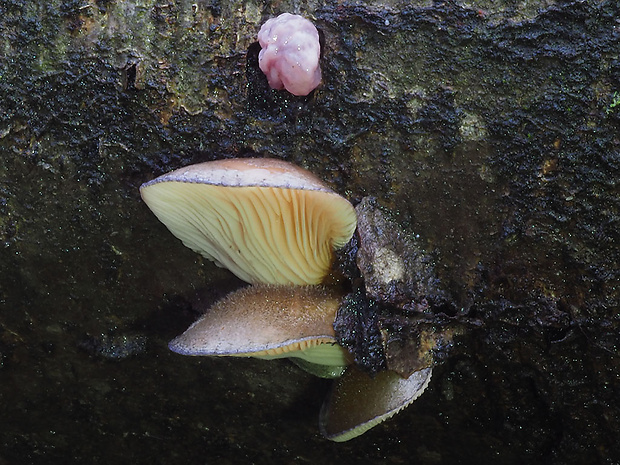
column 358, row 402
column 276, row 226
column 266, row 220
column 267, row 321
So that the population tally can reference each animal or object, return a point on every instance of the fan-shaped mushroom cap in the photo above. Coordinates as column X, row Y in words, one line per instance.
column 266, row 220
column 359, row 402
column 269, row 322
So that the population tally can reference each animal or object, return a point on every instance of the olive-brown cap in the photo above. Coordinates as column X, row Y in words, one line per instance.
column 358, row 402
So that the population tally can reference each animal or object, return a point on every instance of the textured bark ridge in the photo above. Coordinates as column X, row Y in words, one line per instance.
column 490, row 133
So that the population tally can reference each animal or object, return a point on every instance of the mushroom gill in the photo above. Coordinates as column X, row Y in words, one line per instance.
column 266, row 220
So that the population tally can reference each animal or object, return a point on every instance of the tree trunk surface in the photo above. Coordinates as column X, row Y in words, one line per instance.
column 490, row 131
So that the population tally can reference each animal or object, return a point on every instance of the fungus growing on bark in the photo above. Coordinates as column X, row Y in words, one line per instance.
column 290, row 54
column 266, row 220
column 358, row 402
column 269, row 322
column 276, row 225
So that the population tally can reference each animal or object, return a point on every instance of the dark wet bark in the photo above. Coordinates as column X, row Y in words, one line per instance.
column 491, row 133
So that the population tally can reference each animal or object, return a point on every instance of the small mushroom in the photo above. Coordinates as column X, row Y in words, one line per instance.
column 267, row 321
column 358, row 402
column 266, row 220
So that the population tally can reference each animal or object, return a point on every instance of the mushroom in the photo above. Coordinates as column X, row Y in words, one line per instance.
column 266, row 220
column 269, row 322
column 358, row 402
column 276, row 226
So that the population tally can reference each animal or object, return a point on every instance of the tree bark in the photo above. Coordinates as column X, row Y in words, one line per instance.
column 491, row 132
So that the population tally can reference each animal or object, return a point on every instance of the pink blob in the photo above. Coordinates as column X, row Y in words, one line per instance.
column 290, row 54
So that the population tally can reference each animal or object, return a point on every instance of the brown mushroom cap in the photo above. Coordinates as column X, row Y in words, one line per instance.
column 358, row 402
column 266, row 220
column 269, row 321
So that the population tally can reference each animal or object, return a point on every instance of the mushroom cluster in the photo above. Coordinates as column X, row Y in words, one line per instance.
column 276, row 226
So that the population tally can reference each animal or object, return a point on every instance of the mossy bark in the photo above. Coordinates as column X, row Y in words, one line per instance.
column 490, row 130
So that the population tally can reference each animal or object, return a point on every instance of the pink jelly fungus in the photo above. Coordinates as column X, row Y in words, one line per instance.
column 290, row 54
